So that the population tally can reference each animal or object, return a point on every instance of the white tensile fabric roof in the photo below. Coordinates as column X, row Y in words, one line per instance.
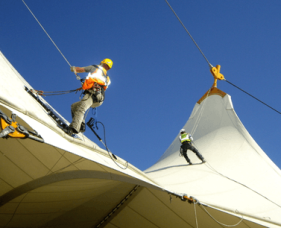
column 70, row 182
column 238, row 175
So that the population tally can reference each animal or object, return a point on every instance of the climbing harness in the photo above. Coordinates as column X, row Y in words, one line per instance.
column 91, row 124
column 10, row 128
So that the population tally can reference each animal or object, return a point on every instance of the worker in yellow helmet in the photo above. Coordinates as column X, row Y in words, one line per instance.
column 186, row 139
column 94, row 88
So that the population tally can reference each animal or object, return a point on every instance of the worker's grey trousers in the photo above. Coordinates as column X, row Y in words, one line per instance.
column 78, row 109
column 187, row 146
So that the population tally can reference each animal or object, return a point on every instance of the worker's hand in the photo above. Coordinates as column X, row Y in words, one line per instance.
column 72, row 69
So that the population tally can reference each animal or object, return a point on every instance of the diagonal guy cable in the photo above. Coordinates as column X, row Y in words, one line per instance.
column 210, row 65
column 46, row 33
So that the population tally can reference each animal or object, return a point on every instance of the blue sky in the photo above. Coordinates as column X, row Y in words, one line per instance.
column 158, row 74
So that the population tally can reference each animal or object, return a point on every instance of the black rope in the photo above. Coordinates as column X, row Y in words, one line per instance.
column 104, row 135
column 253, row 96
column 113, row 157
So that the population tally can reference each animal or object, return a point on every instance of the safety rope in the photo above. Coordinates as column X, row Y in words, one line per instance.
column 219, row 221
column 53, row 93
column 200, row 114
column 210, row 65
column 46, row 33
column 210, row 167
column 197, row 120
column 195, row 201
column 252, row 96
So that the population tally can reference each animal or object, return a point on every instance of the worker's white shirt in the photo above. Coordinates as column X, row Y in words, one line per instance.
column 98, row 74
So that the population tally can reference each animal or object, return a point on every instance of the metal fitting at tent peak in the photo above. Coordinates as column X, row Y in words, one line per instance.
column 215, row 71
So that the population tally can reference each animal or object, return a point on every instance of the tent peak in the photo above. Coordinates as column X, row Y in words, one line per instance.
column 212, row 91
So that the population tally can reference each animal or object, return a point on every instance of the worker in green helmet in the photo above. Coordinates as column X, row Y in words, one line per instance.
column 186, row 139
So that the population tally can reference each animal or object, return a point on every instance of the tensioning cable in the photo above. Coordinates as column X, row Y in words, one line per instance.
column 253, row 96
column 210, row 65
column 77, row 77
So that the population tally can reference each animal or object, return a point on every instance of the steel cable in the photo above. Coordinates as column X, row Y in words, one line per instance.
column 46, row 33
column 210, row 65
column 252, row 96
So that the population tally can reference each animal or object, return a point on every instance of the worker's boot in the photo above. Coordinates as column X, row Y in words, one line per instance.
column 188, row 161
column 83, row 127
column 70, row 131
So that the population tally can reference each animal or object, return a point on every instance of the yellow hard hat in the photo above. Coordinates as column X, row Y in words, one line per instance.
column 108, row 62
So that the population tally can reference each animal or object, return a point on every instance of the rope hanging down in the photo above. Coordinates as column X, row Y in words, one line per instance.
column 91, row 124
column 195, row 201
column 112, row 156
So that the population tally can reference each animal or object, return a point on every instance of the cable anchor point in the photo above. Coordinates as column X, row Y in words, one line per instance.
column 215, row 71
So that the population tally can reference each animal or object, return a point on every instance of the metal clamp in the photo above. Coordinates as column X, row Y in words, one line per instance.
column 10, row 128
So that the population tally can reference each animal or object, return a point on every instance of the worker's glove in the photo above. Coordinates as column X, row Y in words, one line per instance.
column 72, row 69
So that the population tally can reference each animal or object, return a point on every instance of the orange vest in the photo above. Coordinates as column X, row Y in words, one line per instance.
column 91, row 79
